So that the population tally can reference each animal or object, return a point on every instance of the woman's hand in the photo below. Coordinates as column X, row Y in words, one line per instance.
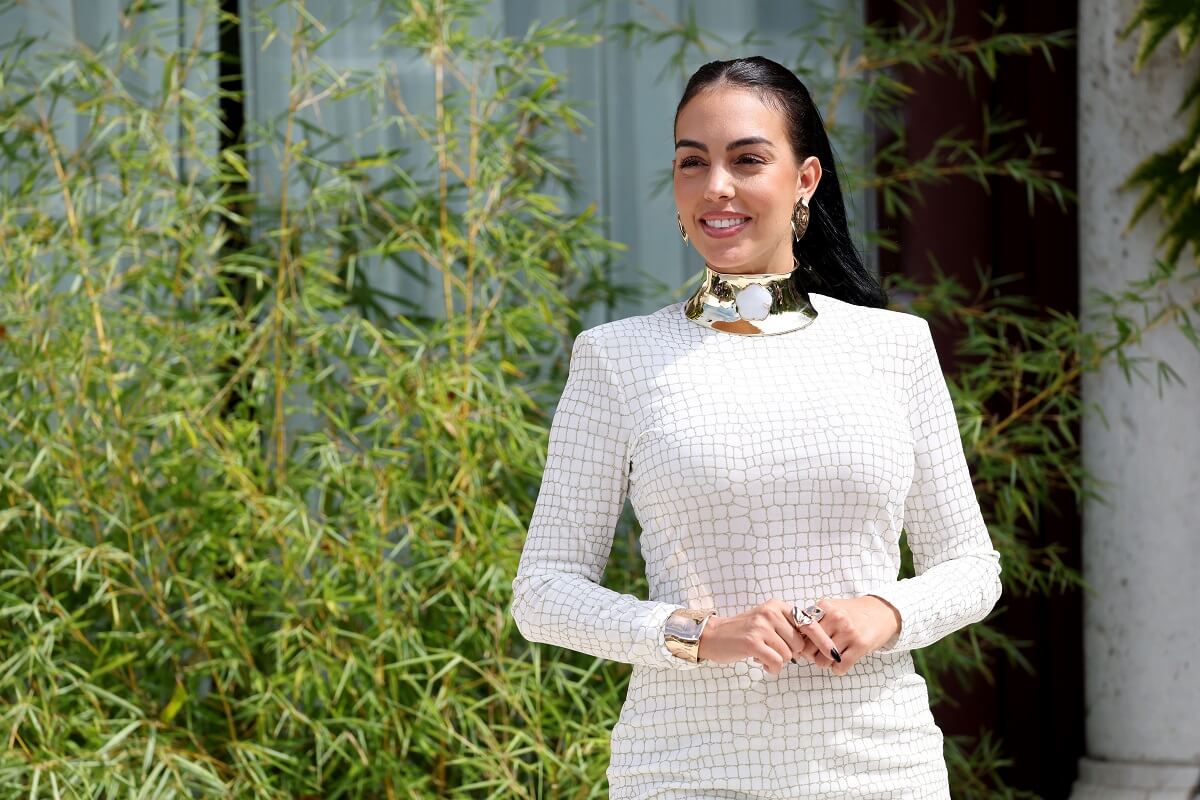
column 765, row 633
column 857, row 626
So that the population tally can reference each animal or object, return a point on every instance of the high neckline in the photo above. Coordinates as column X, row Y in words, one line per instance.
column 758, row 304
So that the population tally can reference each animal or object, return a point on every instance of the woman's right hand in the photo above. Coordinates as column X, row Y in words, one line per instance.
column 765, row 633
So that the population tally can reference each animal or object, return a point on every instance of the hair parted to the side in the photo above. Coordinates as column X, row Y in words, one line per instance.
column 826, row 246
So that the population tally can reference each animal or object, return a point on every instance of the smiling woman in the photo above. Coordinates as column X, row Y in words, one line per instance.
column 735, row 193
column 775, row 433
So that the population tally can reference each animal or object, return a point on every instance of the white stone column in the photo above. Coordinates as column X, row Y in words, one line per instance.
column 1141, row 550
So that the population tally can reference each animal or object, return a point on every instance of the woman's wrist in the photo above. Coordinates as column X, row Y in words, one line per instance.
column 895, row 615
column 706, row 640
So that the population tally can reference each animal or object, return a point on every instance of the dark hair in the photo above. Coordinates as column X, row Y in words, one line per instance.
column 826, row 246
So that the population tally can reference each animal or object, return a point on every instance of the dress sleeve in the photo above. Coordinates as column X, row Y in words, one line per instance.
column 557, row 596
column 957, row 579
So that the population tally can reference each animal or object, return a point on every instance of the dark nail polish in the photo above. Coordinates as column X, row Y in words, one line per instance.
column 833, row 653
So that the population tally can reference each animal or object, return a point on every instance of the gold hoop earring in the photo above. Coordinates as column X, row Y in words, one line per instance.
column 682, row 232
column 800, row 219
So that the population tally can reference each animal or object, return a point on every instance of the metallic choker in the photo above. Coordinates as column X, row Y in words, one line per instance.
column 762, row 304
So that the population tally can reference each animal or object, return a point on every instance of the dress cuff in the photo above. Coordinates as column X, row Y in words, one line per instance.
column 898, row 598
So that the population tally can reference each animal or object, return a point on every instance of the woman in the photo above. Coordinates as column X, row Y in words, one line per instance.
column 774, row 433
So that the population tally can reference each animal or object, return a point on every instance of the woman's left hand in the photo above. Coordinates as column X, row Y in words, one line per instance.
column 857, row 626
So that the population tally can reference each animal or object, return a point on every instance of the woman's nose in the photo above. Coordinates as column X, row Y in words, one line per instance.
column 719, row 186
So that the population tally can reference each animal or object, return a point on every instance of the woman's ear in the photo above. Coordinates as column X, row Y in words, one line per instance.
column 808, row 178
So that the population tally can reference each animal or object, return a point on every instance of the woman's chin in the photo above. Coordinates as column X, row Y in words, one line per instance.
column 726, row 261
column 726, row 255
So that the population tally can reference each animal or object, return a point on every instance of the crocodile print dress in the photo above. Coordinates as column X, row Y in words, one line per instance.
column 779, row 466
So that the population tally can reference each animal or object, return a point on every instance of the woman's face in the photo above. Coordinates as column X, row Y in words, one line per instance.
column 736, row 181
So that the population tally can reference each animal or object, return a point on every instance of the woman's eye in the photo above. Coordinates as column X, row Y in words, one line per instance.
column 693, row 161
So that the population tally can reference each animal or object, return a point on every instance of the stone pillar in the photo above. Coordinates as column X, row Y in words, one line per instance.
column 1141, row 549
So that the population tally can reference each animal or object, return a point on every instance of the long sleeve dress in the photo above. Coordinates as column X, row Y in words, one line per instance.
column 760, row 466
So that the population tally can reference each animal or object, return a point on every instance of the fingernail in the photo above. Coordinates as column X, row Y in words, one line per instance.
column 833, row 653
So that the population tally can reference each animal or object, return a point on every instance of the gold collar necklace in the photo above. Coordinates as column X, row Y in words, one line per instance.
column 761, row 304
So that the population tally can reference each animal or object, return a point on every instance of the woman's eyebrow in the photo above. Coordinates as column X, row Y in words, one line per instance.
column 749, row 140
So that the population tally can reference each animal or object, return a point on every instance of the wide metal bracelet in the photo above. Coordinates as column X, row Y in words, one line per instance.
column 683, row 639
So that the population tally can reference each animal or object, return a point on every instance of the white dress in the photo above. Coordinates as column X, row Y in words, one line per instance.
column 760, row 466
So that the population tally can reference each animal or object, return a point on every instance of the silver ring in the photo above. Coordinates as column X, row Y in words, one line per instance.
column 806, row 616
column 800, row 617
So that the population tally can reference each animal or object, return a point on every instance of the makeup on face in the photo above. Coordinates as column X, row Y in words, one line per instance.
column 735, row 181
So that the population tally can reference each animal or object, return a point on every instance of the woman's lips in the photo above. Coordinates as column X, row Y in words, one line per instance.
column 723, row 233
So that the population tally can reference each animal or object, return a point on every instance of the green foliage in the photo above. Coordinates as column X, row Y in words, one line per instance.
column 259, row 507
column 1169, row 180
column 1158, row 19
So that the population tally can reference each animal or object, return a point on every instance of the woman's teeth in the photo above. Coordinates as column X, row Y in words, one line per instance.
column 725, row 223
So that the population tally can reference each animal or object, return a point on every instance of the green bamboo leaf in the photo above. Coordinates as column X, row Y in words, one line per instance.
column 114, row 664
column 7, row 516
column 176, row 703
column 118, row 738
column 35, row 465
column 234, row 160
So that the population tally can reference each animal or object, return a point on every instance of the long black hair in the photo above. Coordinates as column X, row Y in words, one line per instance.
column 826, row 246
